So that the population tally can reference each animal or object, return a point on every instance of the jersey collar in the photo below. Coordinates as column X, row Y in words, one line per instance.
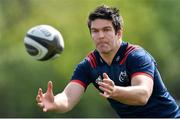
column 117, row 58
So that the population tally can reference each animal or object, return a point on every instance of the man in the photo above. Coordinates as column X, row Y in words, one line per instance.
column 125, row 74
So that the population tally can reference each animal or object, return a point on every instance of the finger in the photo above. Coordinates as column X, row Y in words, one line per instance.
column 108, row 81
column 106, row 86
column 40, row 93
column 105, row 90
column 102, row 84
column 38, row 98
column 44, row 109
column 104, row 95
column 50, row 86
column 105, row 76
column 40, row 105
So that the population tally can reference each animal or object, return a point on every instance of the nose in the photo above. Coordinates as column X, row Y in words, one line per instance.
column 101, row 34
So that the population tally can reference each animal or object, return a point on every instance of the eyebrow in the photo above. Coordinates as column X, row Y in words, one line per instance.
column 101, row 28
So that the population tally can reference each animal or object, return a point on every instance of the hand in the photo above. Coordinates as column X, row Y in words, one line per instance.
column 46, row 100
column 107, row 86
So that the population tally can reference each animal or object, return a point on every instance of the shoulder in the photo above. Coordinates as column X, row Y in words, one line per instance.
column 140, row 61
column 131, row 52
column 139, row 54
column 89, row 61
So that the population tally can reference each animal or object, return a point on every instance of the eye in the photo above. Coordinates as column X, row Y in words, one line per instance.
column 94, row 31
column 107, row 29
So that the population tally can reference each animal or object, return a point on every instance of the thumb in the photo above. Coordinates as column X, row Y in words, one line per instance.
column 44, row 109
column 105, row 76
column 50, row 87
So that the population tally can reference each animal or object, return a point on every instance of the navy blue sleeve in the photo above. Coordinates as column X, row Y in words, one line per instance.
column 140, row 62
column 81, row 74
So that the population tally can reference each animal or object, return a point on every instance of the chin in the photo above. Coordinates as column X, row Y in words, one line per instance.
column 103, row 51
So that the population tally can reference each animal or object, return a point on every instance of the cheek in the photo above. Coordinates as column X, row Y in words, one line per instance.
column 94, row 40
column 94, row 36
column 110, row 37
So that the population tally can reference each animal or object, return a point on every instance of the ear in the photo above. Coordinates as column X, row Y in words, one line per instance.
column 119, row 34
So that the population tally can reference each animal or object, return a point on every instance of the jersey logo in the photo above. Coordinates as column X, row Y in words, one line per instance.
column 123, row 76
column 99, row 79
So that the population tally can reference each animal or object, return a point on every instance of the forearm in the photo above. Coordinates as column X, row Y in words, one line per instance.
column 71, row 95
column 132, row 95
column 62, row 104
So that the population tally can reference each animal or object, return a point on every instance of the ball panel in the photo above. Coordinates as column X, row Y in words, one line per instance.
column 31, row 50
column 59, row 37
column 42, row 51
column 48, row 56
column 60, row 44
column 44, row 42
column 44, row 31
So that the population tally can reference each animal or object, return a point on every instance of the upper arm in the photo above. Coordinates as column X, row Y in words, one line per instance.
column 81, row 74
column 78, row 84
column 141, row 67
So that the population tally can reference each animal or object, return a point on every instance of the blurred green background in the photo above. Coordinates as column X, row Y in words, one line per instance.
column 153, row 24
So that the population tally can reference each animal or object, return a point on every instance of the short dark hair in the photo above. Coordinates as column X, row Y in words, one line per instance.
column 108, row 13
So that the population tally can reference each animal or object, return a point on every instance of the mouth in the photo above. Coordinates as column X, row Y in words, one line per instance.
column 102, row 44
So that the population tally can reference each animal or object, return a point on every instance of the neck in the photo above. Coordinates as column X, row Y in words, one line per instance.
column 108, row 57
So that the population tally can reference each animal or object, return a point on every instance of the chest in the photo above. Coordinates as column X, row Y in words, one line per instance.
column 116, row 72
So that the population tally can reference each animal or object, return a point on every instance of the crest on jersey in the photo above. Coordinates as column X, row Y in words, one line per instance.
column 123, row 76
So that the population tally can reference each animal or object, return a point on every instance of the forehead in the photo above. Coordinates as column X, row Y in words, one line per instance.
column 101, row 23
